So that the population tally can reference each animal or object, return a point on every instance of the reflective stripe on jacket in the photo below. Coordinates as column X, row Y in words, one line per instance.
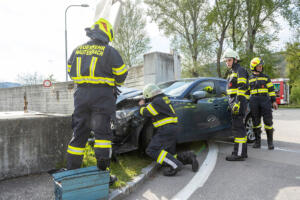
column 97, row 63
column 261, row 84
column 161, row 111
column 237, row 83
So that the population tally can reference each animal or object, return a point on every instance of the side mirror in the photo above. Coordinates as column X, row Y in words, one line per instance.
column 198, row 95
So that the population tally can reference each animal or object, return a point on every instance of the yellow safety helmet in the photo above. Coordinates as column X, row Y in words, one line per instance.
column 255, row 62
column 106, row 27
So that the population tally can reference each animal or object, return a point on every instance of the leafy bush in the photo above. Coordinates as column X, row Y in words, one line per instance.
column 295, row 93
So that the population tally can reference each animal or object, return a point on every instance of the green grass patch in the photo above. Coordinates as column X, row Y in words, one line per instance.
column 289, row 106
column 129, row 165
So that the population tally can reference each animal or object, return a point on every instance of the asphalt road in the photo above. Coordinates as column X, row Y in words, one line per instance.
column 265, row 175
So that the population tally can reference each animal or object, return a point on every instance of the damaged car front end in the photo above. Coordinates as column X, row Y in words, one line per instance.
column 127, row 125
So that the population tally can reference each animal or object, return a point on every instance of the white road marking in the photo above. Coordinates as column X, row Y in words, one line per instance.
column 202, row 175
column 264, row 147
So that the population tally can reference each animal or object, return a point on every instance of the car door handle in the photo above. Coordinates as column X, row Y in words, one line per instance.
column 216, row 106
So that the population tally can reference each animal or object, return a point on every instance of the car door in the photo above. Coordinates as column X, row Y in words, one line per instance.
column 222, row 101
column 200, row 118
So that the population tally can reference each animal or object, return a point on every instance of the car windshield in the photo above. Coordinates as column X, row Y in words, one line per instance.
column 175, row 88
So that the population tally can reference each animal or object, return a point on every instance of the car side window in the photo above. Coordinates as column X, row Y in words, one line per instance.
column 222, row 88
column 208, row 86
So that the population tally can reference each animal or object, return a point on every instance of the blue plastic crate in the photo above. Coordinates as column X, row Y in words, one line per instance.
column 81, row 184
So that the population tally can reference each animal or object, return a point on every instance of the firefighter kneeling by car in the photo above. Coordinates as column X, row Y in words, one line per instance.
column 162, row 147
column 262, row 95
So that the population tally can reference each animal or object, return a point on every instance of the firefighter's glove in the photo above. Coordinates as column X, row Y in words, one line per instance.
column 117, row 91
column 236, row 108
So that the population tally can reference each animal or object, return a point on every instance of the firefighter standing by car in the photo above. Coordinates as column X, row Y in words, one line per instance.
column 262, row 99
column 96, row 68
column 237, row 91
column 162, row 147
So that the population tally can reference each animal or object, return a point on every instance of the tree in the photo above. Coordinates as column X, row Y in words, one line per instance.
column 292, row 57
column 184, row 21
column 220, row 17
column 131, row 39
column 30, row 78
column 259, row 14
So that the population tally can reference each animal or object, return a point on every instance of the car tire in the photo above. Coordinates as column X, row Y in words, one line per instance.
column 249, row 129
column 146, row 135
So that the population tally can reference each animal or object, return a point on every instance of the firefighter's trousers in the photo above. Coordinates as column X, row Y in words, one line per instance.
column 93, row 107
column 239, row 130
column 260, row 106
column 162, row 147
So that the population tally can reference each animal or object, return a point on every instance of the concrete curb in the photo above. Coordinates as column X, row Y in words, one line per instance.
column 131, row 186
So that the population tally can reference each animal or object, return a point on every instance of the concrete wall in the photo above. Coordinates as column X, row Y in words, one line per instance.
column 160, row 67
column 56, row 99
column 135, row 77
column 32, row 143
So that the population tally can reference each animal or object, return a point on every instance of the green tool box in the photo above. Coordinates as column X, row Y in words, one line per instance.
column 81, row 184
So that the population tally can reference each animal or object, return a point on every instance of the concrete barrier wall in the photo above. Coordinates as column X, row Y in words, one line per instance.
column 32, row 143
column 161, row 67
column 135, row 77
column 56, row 99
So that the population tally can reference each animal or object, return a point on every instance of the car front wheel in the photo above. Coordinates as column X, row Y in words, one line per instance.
column 249, row 129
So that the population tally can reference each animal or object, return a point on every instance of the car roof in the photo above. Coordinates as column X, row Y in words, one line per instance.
column 193, row 79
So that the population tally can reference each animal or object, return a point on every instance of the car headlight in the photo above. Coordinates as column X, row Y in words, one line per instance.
column 122, row 114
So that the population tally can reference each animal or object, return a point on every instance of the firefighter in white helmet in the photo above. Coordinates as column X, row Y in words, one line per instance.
column 237, row 91
column 162, row 147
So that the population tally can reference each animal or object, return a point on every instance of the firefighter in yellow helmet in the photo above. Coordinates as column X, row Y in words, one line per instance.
column 236, row 90
column 162, row 147
column 97, row 68
column 262, row 98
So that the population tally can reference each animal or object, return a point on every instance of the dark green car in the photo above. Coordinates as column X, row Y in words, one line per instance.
column 202, row 115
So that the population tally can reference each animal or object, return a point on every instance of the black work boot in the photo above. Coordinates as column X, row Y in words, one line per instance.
column 170, row 171
column 189, row 157
column 172, row 165
column 270, row 139
column 257, row 143
column 234, row 156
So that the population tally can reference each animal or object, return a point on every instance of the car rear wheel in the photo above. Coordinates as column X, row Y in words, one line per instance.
column 249, row 129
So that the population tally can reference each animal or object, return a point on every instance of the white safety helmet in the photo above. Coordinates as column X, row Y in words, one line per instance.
column 151, row 90
column 229, row 53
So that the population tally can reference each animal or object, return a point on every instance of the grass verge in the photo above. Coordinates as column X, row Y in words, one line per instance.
column 128, row 166
column 289, row 106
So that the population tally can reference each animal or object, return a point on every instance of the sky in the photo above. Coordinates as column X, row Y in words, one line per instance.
column 32, row 36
